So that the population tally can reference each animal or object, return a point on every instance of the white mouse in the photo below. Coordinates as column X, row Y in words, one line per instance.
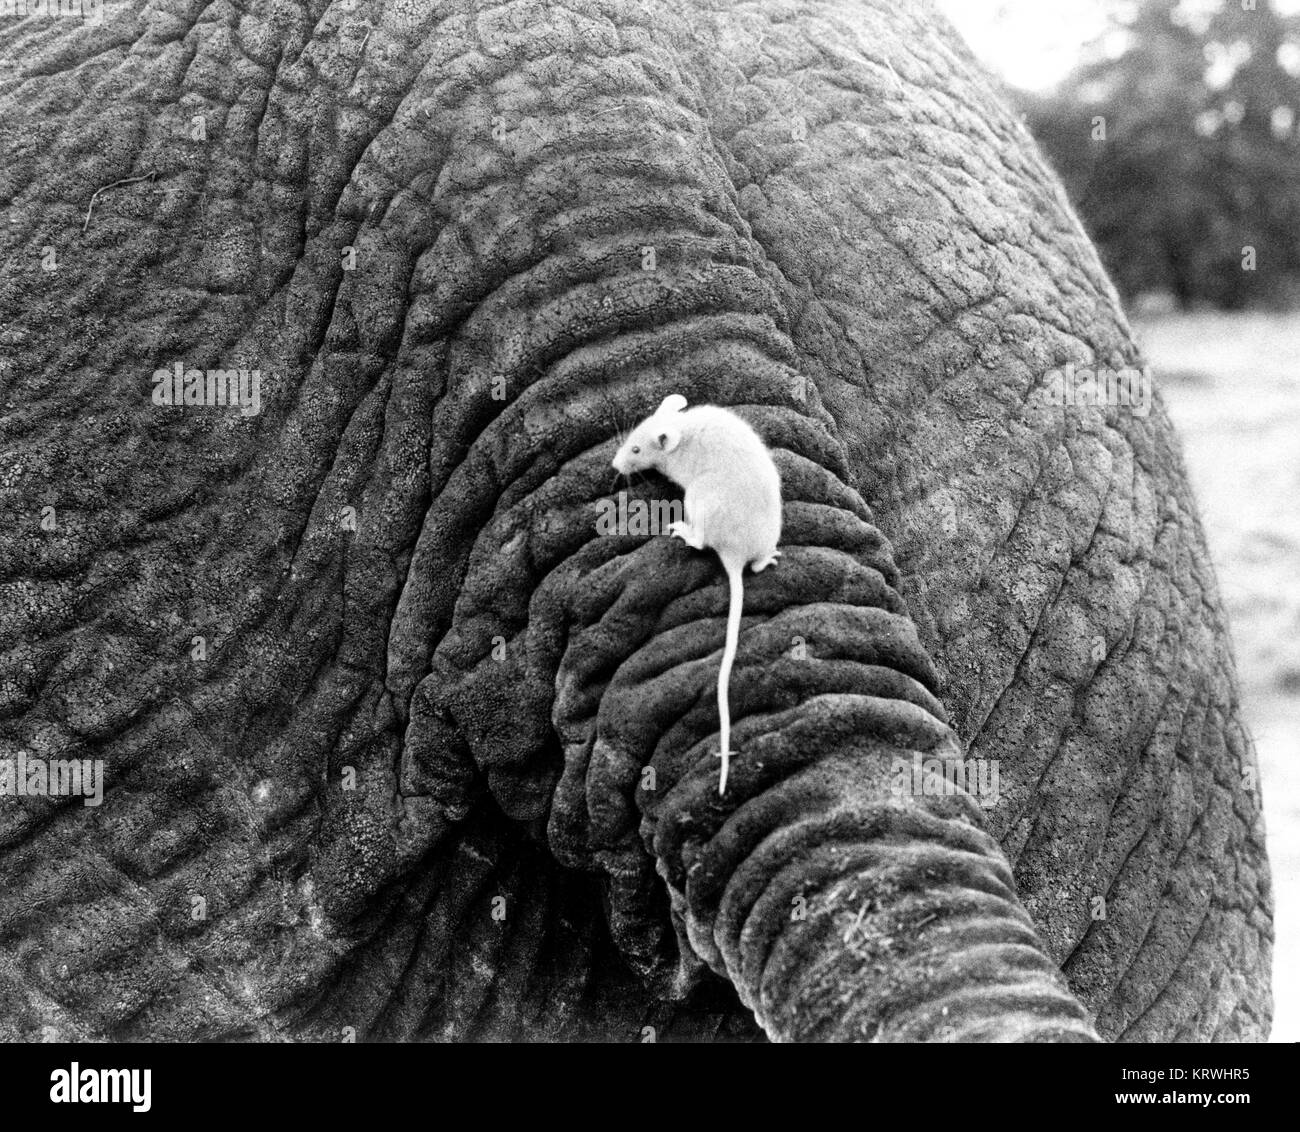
column 732, row 504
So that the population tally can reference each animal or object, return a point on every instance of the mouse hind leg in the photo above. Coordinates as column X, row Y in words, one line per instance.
column 686, row 533
column 761, row 564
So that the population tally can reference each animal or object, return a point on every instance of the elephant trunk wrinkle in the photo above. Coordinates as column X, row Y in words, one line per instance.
column 844, row 912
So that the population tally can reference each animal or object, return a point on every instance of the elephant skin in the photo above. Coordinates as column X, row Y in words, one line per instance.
column 396, row 744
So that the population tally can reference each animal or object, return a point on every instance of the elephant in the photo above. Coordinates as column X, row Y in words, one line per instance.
column 322, row 321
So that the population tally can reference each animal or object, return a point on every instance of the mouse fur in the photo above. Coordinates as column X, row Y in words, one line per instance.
column 732, row 504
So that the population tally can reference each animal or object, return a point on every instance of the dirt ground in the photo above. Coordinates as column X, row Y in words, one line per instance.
column 1232, row 384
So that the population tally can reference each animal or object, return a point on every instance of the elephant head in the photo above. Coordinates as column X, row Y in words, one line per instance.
column 398, row 738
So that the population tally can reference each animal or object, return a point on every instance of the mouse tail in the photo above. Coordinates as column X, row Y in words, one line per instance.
column 735, row 571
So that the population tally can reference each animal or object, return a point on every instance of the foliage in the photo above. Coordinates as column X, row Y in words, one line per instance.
column 1178, row 138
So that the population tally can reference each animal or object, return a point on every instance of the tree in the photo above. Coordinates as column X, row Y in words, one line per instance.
column 1169, row 137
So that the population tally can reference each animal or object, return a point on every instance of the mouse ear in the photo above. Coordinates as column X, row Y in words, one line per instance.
column 673, row 403
column 669, row 437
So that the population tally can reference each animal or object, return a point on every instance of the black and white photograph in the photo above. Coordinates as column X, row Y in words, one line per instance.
column 648, row 522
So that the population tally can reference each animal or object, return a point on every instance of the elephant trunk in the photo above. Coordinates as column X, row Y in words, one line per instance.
column 845, row 883
column 844, row 911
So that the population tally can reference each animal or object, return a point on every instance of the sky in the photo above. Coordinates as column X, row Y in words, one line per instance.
column 1033, row 43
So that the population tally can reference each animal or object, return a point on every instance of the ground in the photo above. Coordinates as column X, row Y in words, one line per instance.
column 1232, row 384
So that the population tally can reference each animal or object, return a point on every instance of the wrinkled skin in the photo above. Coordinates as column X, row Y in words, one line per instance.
column 466, row 702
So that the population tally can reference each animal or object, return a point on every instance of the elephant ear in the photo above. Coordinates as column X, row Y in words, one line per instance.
column 673, row 403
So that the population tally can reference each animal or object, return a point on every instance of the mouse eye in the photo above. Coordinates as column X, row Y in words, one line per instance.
column 635, row 451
